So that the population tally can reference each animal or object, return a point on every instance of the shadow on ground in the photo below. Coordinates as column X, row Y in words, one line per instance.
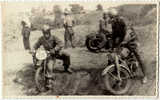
column 80, row 82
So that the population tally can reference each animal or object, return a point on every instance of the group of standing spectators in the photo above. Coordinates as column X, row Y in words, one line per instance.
column 68, row 24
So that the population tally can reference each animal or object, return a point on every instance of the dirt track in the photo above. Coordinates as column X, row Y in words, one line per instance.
column 86, row 79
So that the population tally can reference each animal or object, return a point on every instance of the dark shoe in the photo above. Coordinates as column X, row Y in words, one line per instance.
column 73, row 46
column 67, row 71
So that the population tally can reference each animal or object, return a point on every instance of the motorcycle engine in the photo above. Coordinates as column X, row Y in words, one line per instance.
column 124, row 52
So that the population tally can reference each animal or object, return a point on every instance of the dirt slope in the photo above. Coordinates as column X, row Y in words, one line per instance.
column 86, row 79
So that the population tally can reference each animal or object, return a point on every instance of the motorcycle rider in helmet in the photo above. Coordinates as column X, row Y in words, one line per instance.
column 54, row 45
column 131, row 42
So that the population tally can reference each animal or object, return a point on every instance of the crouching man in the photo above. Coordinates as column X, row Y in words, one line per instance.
column 54, row 46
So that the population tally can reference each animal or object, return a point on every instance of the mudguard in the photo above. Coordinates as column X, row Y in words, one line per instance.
column 110, row 66
column 91, row 36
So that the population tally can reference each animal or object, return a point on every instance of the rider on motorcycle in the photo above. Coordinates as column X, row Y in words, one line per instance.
column 131, row 42
column 53, row 45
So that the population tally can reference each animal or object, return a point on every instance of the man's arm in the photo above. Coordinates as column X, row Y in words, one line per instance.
column 38, row 44
column 102, row 25
column 59, row 43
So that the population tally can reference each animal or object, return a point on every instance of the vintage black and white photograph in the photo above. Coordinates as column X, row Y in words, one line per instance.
column 80, row 49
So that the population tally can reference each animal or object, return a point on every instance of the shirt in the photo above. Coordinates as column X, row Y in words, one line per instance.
column 103, row 23
column 48, row 44
column 68, row 21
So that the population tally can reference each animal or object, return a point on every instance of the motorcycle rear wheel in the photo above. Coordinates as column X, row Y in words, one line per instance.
column 92, row 45
column 115, row 86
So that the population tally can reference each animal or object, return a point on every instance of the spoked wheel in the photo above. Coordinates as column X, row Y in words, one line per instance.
column 113, row 84
column 40, row 79
column 92, row 44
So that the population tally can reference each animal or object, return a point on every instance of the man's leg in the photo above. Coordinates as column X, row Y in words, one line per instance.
column 71, row 40
column 66, row 39
column 138, row 56
column 50, row 68
column 26, row 43
column 72, row 37
column 66, row 59
column 26, row 36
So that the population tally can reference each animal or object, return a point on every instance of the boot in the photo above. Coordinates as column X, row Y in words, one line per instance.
column 66, row 69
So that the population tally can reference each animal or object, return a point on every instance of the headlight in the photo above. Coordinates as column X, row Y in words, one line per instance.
column 41, row 54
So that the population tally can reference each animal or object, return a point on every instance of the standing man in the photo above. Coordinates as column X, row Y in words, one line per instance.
column 68, row 26
column 103, row 30
column 26, row 28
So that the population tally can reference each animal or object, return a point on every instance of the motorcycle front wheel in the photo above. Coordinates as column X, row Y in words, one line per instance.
column 40, row 79
column 115, row 86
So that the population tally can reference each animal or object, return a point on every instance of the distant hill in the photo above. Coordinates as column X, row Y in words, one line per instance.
column 138, row 13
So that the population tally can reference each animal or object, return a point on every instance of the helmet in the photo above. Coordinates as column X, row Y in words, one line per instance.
column 45, row 27
column 66, row 11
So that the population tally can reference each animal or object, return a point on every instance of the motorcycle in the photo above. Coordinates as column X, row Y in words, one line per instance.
column 122, row 67
column 40, row 60
column 94, row 40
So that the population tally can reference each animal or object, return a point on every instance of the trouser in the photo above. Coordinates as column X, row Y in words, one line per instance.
column 103, row 35
column 26, row 43
column 116, row 41
column 26, row 35
column 139, row 58
column 62, row 56
column 68, row 37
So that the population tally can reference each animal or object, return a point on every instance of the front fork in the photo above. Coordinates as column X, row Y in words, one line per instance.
column 117, row 67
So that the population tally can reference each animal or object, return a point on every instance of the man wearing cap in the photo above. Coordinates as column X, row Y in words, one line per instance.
column 26, row 29
column 54, row 45
column 68, row 26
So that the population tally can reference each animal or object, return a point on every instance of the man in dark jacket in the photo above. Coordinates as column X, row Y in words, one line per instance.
column 118, row 27
column 54, row 45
